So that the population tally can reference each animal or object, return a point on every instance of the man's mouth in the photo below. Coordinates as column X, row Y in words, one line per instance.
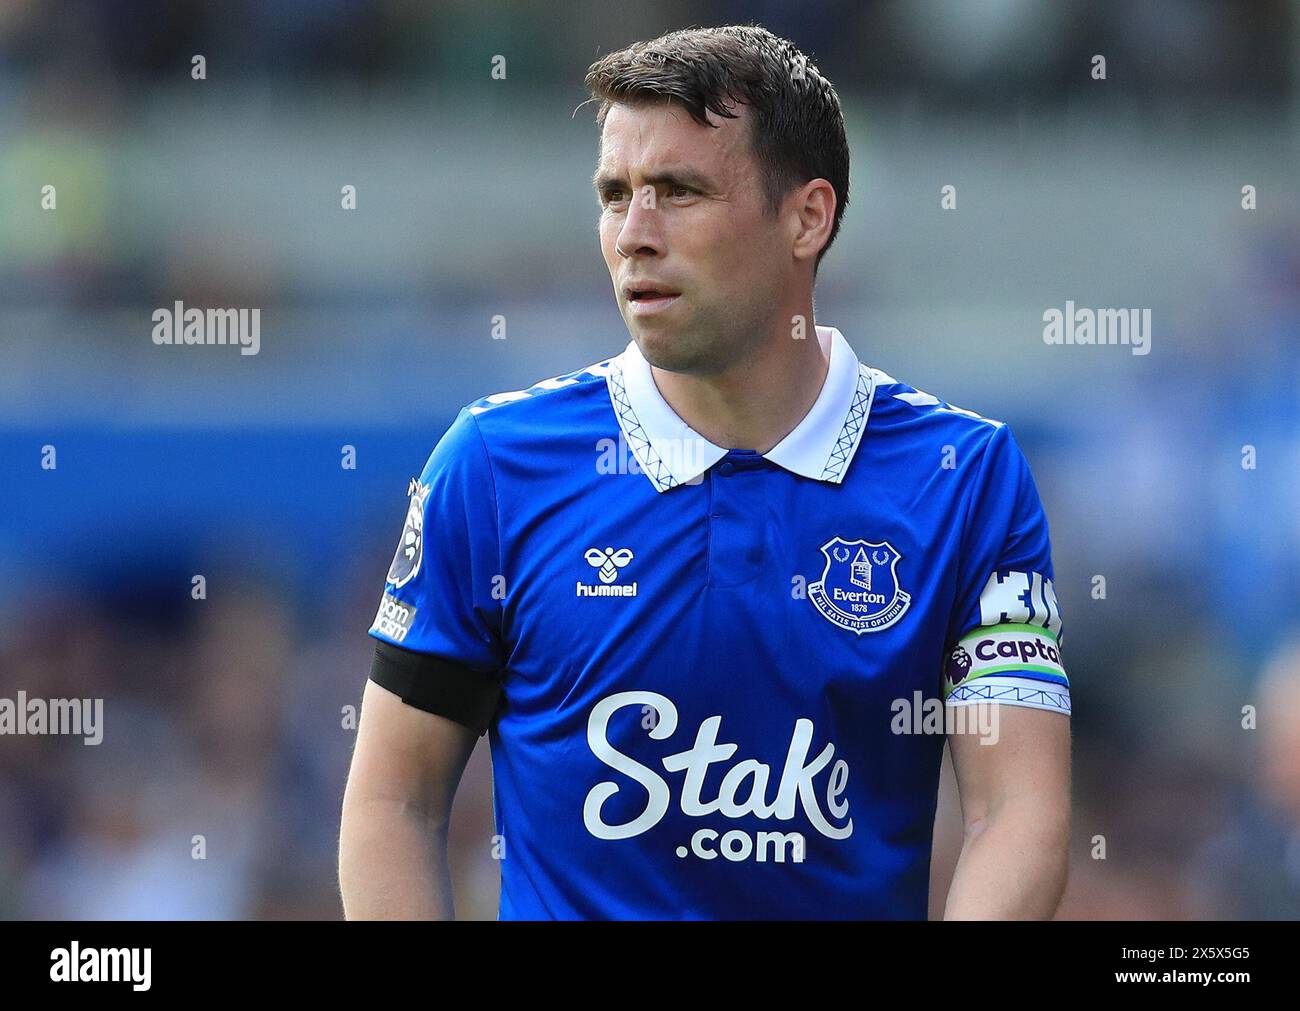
column 642, row 298
column 650, row 294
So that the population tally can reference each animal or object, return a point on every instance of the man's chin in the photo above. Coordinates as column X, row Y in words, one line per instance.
column 671, row 346
column 670, row 350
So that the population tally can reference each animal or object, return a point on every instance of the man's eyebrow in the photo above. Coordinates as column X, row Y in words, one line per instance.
column 669, row 177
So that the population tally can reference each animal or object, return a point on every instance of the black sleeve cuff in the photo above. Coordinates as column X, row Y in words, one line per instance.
column 435, row 685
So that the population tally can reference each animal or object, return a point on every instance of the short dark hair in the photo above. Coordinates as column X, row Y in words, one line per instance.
column 797, row 133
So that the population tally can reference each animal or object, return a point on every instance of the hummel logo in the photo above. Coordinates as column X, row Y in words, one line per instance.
column 607, row 562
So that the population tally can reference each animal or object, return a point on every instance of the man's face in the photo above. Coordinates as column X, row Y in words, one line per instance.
column 698, row 265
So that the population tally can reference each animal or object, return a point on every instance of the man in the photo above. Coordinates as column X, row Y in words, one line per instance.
column 701, row 593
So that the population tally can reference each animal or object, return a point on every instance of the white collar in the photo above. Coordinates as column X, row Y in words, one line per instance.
column 670, row 452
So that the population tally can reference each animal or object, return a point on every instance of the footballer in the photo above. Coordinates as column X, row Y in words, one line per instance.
column 688, row 591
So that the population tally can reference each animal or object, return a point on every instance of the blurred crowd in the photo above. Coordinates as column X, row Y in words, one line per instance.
column 216, row 790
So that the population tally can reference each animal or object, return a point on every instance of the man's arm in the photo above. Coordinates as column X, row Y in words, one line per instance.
column 1015, row 802
column 393, row 838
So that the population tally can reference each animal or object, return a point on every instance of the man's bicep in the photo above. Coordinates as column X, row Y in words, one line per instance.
column 443, row 596
column 1011, row 754
column 407, row 755
column 437, row 685
column 1004, row 630
column 438, row 641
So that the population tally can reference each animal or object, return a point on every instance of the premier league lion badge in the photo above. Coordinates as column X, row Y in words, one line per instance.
column 958, row 666
column 859, row 587
column 410, row 549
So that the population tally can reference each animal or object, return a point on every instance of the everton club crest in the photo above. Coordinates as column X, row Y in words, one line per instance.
column 859, row 587
column 410, row 549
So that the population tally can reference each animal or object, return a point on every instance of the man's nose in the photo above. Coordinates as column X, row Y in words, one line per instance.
column 640, row 233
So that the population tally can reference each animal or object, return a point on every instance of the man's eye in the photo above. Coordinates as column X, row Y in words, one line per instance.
column 614, row 196
column 680, row 191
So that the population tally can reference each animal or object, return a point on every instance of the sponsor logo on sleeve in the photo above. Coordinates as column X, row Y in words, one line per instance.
column 394, row 618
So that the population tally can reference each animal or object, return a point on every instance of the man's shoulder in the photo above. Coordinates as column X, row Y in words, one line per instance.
column 572, row 404
column 545, row 394
column 910, row 429
column 909, row 412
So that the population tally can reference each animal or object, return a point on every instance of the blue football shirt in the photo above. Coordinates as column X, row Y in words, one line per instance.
column 706, row 668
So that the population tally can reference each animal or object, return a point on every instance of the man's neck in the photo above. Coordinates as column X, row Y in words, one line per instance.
column 756, row 403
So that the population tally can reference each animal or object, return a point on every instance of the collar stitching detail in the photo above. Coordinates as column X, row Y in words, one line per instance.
column 637, row 438
column 847, row 440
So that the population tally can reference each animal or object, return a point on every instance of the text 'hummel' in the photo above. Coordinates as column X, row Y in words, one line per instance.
column 607, row 563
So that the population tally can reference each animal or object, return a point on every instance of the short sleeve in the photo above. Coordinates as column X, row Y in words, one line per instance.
column 1005, row 629
column 438, row 624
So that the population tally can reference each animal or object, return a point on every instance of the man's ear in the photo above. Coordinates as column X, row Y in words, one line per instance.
column 813, row 204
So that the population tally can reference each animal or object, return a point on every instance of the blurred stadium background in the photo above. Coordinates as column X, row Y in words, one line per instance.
column 224, row 716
